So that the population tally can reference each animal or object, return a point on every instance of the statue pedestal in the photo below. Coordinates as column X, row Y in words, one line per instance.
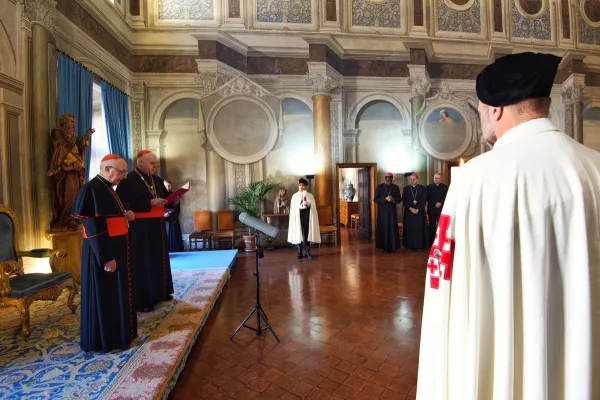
column 71, row 241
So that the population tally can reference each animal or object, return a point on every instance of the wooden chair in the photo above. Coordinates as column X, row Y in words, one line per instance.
column 201, row 230
column 18, row 289
column 328, row 231
column 225, row 228
column 354, row 220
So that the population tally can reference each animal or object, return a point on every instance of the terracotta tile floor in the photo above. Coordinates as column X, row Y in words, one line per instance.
column 349, row 322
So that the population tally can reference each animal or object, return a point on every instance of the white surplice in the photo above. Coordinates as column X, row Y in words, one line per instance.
column 517, row 313
column 294, row 228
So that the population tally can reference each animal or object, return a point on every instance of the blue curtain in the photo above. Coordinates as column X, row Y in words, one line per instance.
column 116, row 116
column 75, row 87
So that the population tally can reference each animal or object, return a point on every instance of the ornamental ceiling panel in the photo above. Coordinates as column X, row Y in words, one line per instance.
column 460, row 18
column 377, row 16
column 294, row 15
column 533, row 22
column 588, row 15
column 186, row 13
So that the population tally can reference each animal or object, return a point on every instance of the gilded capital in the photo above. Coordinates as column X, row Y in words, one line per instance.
column 41, row 11
column 321, row 84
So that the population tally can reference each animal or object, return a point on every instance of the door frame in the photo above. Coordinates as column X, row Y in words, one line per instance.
column 372, row 184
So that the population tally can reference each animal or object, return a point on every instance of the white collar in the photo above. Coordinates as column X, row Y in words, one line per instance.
column 529, row 128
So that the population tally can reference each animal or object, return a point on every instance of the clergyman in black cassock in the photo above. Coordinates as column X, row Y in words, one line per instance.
column 173, row 228
column 387, row 195
column 414, row 234
column 108, row 319
column 436, row 195
column 143, row 193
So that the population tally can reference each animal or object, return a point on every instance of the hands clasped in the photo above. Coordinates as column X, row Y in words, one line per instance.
column 110, row 266
column 129, row 215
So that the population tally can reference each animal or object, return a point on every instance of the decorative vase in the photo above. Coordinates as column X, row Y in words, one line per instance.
column 249, row 243
column 350, row 191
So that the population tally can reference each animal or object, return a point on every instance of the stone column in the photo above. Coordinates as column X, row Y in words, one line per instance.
column 573, row 91
column 41, row 13
column 322, row 83
column 419, row 82
column 215, row 182
column 137, row 96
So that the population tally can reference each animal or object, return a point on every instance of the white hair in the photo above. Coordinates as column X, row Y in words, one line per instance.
column 110, row 163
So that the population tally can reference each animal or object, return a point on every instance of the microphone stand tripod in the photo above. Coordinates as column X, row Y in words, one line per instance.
column 261, row 316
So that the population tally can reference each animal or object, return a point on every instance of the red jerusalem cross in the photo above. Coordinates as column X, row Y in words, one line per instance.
column 440, row 256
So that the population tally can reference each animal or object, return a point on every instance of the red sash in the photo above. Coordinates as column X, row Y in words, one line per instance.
column 116, row 226
column 155, row 212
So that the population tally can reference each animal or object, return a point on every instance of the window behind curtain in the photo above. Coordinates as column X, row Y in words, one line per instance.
column 100, row 138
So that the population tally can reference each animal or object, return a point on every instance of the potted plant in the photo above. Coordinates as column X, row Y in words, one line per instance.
column 248, row 200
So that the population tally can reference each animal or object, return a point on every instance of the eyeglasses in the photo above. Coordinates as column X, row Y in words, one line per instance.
column 122, row 171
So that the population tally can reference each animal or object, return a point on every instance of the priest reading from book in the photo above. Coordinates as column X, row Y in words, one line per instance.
column 144, row 193
column 108, row 318
column 387, row 195
column 414, row 233
column 303, row 228
column 512, row 292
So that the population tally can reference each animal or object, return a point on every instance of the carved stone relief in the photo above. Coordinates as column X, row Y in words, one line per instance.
column 526, row 27
column 186, row 10
column 284, row 11
column 459, row 16
column 376, row 13
column 42, row 11
column 137, row 127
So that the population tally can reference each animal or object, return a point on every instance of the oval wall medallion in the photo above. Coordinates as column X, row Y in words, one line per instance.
column 242, row 129
column 591, row 9
column 444, row 131
column 531, row 7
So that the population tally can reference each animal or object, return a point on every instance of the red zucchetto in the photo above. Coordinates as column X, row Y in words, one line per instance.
column 110, row 157
column 142, row 153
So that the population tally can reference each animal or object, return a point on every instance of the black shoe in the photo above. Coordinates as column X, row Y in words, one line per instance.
column 299, row 247
column 307, row 251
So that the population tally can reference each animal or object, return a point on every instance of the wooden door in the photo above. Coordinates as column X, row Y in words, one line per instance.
column 364, row 204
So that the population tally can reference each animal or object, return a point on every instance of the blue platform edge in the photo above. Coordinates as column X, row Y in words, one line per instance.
column 199, row 260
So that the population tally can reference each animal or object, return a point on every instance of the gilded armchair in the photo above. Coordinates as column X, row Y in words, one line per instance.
column 18, row 289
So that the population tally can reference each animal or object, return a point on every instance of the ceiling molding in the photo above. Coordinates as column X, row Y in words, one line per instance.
column 223, row 38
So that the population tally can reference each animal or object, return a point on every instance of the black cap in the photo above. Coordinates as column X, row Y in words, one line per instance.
column 517, row 77
column 302, row 181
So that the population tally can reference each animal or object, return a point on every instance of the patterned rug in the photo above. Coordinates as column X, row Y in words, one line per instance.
column 50, row 365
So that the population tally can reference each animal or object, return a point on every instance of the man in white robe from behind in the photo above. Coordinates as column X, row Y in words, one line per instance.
column 303, row 228
column 512, row 294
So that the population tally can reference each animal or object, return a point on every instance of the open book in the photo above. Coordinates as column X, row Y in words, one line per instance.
column 173, row 197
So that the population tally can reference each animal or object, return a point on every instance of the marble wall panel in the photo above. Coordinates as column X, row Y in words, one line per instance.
column 134, row 7
column 164, row 64
column 454, row 71
column 566, row 19
column 376, row 14
column 330, row 10
column 375, row 68
column 589, row 22
column 234, row 8
column 453, row 20
column 524, row 27
column 84, row 21
column 277, row 66
column 498, row 16
column 186, row 10
column 281, row 11
column 418, row 13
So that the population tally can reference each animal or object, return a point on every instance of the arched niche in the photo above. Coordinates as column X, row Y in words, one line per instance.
column 382, row 137
column 8, row 61
column 591, row 128
column 157, row 113
column 352, row 121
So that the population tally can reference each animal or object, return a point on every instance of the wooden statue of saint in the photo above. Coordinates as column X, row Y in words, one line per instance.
column 67, row 171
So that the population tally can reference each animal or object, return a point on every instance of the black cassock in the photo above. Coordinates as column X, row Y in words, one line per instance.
column 387, row 237
column 414, row 235
column 174, row 238
column 435, row 194
column 108, row 318
column 150, row 265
